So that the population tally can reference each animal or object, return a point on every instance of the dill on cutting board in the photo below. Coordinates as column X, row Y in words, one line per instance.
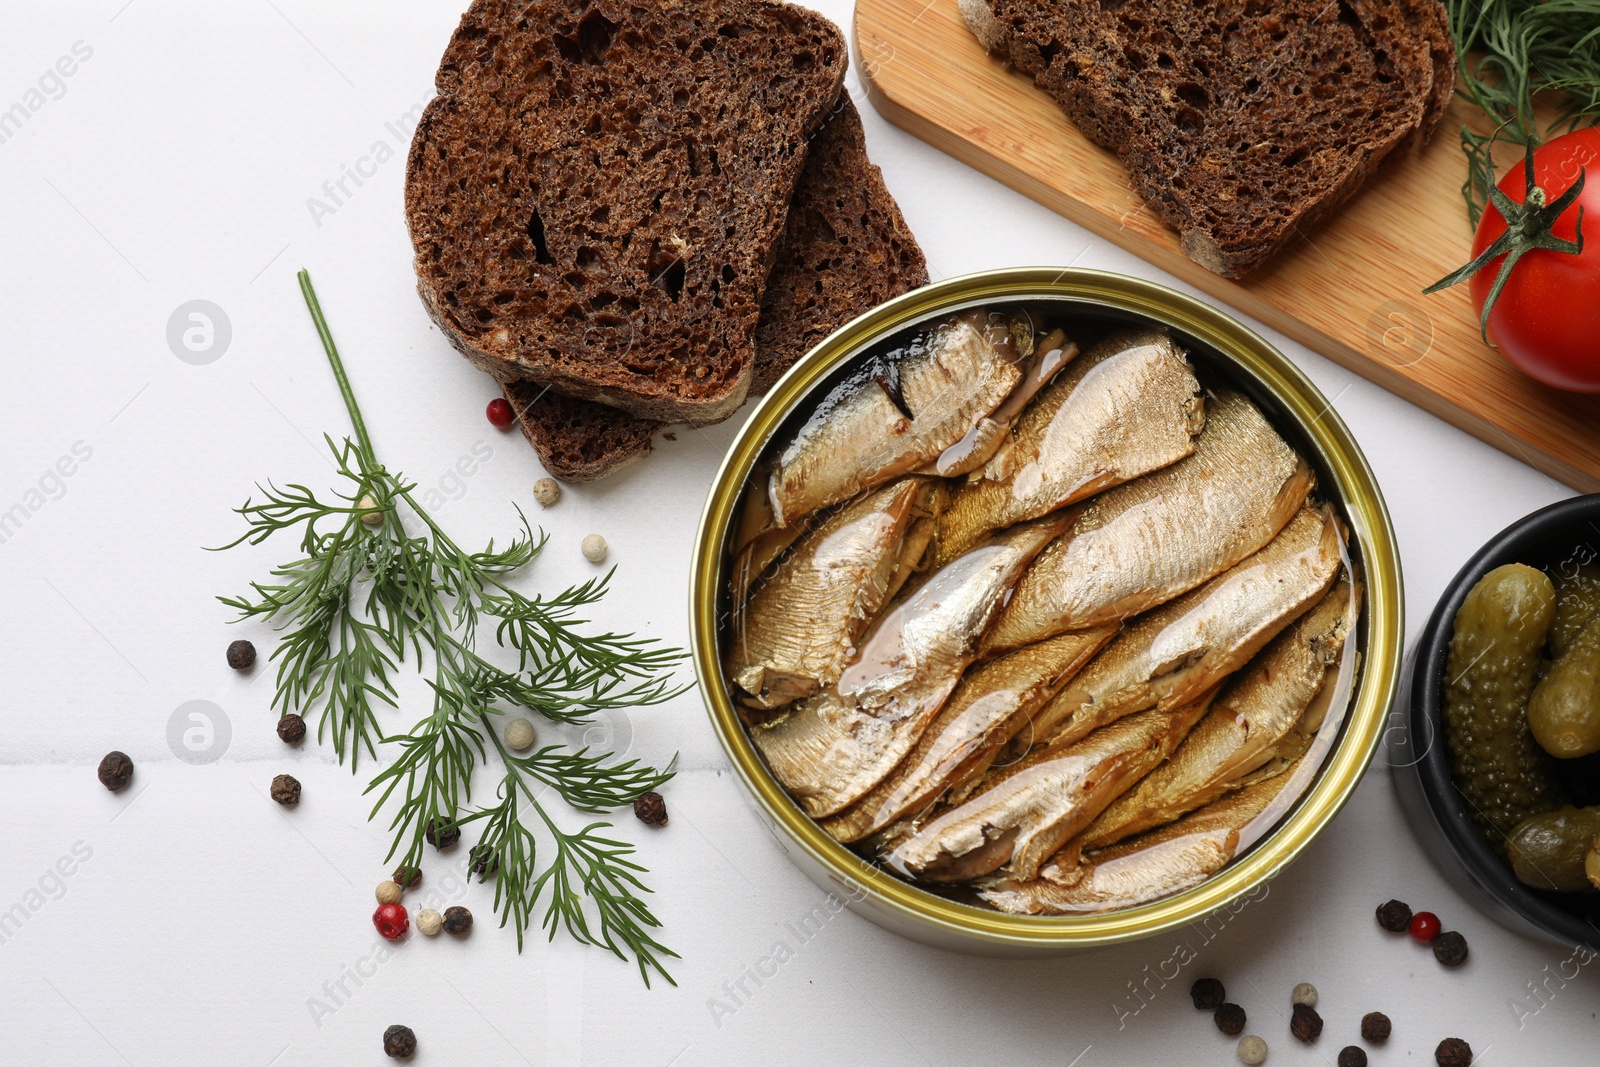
column 377, row 577
column 1512, row 52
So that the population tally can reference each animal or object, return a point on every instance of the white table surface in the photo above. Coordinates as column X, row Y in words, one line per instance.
column 203, row 924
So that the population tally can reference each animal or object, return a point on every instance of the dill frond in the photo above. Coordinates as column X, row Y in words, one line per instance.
column 363, row 594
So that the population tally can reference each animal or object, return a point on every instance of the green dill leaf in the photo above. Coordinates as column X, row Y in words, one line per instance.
column 1512, row 53
column 590, row 783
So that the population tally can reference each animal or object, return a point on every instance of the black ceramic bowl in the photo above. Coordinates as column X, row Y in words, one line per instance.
column 1556, row 536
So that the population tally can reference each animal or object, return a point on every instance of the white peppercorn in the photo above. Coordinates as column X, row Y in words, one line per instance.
column 546, row 491
column 519, row 735
column 1304, row 993
column 594, row 548
column 388, row 892
column 430, row 922
column 1252, row 1050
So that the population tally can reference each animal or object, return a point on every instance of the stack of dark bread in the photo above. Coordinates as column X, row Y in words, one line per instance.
column 633, row 213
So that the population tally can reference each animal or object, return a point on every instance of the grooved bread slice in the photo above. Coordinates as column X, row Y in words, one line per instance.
column 596, row 193
column 845, row 248
column 1243, row 123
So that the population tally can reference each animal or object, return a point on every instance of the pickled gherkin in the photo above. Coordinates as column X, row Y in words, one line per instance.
column 1550, row 851
column 1577, row 601
column 1502, row 773
column 1564, row 711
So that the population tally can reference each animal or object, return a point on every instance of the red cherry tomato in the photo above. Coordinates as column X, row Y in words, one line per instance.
column 1547, row 318
column 1425, row 926
column 391, row 920
column 499, row 412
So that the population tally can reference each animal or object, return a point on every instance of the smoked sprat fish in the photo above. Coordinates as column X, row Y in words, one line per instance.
column 1166, row 657
column 1174, row 858
column 757, row 543
column 1050, row 354
column 900, row 412
column 1127, row 406
column 992, row 702
column 801, row 625
column 1156, row 537
column 1254, row 729
column 1031, row 809
column 829, row 750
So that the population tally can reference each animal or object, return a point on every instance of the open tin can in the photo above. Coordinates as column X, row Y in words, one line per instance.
column 1223, row 352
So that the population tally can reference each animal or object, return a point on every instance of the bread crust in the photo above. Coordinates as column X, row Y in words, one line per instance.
column 579, row 440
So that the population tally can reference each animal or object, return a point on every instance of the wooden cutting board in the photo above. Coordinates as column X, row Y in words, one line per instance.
column 1352, row 290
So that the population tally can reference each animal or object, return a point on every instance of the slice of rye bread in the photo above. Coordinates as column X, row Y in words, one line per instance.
column 596, row 194
column 1243, row 124
column 845, row 249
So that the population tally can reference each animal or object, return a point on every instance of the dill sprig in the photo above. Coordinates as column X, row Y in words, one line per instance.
column 1512, row 52
column 377, row 579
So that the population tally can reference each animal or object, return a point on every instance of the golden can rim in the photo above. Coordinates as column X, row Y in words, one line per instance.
column 1252, row 357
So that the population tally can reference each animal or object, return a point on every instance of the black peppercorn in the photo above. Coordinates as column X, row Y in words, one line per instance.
column 1453, row 1052
column 1375, row 1027
column 482, row 860
column 442, row 834
column 1305, row 1024
column 286, row 789
column 1229, row 1019
column 399, row 1042
column 1450, row 949
column 291, row 729
column 407, row 877
column 1394, row 916
column 241, row 655
column 458, row 921
column 116, row 770
column 1207, row 994
column 651, row 809
column 1351, row 1056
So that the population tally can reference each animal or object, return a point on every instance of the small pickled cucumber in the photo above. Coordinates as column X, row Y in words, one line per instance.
column 1494, row 653
column 1551, row 851
column 1564, row 711
column 1577, row 601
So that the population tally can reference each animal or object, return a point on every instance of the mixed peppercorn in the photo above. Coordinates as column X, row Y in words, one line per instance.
column 291, row 729
column 391, row 921
column 286, row 789
column 499, row 413
column 241, row 655
column 1395, row 916
column 399, row 1042
column 1305, row 1024
column 1453, row 1052
column 116, row 771
column 1352, row 1056
column 651, row 809
column 442, row 836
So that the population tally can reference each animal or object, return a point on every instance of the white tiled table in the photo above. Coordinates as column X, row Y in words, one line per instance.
column 193, row 153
